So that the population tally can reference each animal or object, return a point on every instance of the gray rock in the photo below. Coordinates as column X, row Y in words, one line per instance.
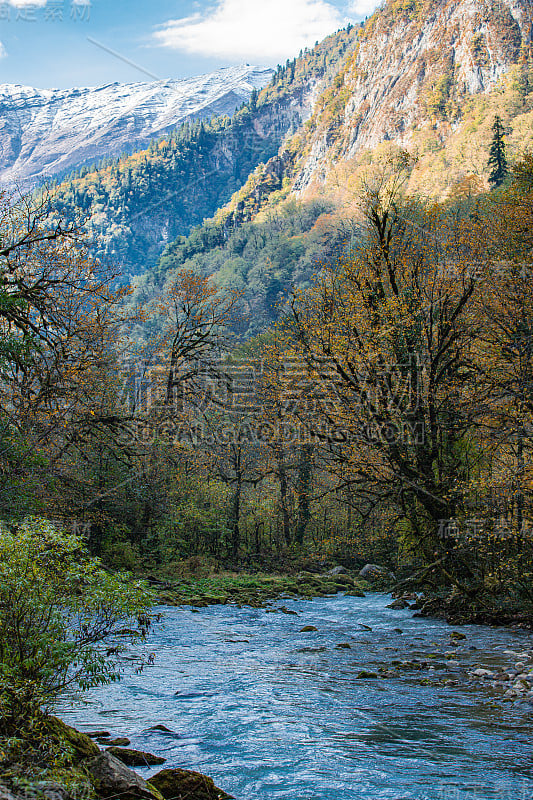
column 398, row 604
column 112, row 778
column 337, row 571
column 375, row 571
column 135, row 758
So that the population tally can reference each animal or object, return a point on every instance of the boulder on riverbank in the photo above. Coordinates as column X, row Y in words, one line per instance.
column 182, row 784
column 102, row 775
column 82, row 745
column 135, row 758
column 376, row 573
column 111, row 778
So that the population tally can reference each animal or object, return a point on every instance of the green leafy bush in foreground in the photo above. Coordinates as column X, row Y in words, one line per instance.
column 65, row 622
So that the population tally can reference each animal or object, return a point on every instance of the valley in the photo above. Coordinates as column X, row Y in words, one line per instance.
column 266, row 394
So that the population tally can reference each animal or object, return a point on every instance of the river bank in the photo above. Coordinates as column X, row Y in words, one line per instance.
column 260, row 590
column 66, row 764
column 256, row 590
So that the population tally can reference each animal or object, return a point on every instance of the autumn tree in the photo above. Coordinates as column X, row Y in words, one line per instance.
column 386, row 335
column 61, row 328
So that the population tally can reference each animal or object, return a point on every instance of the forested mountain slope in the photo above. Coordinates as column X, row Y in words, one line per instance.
column 135, row 205
column 423, row 83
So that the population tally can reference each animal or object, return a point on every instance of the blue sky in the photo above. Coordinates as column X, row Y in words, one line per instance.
column 65, row 43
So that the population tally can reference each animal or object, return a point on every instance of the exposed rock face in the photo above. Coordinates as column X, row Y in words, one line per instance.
column 181, row 784
column 47, row 132
column 415, row 63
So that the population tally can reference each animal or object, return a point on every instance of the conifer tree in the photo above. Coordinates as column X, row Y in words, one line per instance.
column 497, row 158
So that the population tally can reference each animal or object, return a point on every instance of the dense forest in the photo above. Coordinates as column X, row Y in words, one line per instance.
column 261, row 260
column 383, row 415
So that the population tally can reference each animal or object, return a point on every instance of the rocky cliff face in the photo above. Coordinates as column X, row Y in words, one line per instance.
column 416, row 66
column 418, row 85
column 44, row 133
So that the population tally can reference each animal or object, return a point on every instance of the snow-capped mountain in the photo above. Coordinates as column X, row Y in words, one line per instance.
column 46, row 132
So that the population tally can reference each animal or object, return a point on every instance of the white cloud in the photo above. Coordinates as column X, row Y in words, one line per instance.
column 259, row 30
column 23, row 3
column 3, row 51
column 363, row 8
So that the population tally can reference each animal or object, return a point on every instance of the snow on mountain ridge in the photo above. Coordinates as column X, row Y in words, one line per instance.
column 46, row 132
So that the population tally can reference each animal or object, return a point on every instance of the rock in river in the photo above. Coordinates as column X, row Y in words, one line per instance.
column 162, row 728
column 181, row 784
column 398, row 604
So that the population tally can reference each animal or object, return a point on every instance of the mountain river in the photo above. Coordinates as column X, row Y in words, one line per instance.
column 271, row 712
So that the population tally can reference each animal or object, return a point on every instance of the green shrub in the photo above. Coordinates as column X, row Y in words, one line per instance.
column 64, row 621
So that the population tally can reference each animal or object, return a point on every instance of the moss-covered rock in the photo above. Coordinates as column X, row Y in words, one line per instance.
column 111, row 778
column 181, row 784
column 82, row 745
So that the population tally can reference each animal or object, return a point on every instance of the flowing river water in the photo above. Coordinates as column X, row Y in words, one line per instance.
column 270, row 712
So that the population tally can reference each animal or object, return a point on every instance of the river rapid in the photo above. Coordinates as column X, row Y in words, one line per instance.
column 271, row 712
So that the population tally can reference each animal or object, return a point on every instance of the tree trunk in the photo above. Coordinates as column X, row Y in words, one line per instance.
column 303, row 490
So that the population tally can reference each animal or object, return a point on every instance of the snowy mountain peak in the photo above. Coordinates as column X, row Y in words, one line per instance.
column 46, row 132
